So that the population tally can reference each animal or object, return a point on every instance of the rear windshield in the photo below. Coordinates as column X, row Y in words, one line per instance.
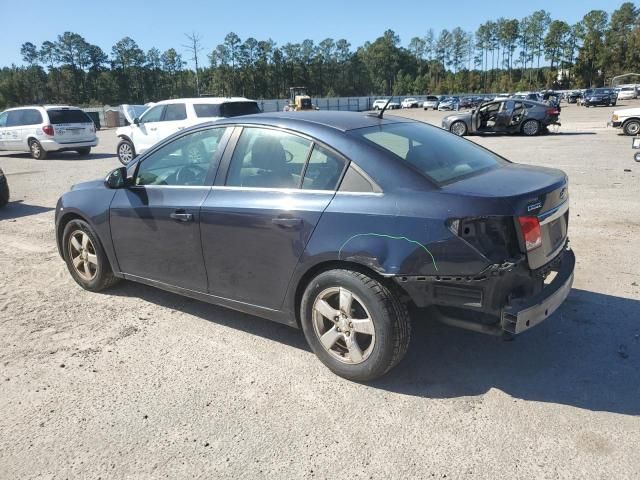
column 603, row 90
column 67, row 116
column 432, row 98
column 436, row 153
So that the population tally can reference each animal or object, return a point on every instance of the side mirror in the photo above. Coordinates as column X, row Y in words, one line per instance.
column 473, row 110
column 117, row 178
column 136, row 121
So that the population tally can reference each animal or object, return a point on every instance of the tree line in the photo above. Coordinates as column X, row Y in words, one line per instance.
column 502, row 55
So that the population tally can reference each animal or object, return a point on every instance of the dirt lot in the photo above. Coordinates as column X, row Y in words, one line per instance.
column 139, row 383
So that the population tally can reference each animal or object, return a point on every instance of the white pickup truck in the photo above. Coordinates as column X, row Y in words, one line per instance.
column 628, row 119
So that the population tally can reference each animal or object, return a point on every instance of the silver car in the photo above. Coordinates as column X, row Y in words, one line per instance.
column 431, row 102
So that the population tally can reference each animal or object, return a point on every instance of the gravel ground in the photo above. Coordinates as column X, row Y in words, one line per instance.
column 139, row 383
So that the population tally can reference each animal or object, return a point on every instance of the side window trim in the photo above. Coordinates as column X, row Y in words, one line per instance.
column 214, row 168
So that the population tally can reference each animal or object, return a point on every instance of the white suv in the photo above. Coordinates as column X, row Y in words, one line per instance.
column 164, row 118
column 44, row 129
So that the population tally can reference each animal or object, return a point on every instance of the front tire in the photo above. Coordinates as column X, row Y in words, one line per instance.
column 85, row 257
column 632, row 127
column 458, row 128
column 36, row 150
column 531, row 128
column 126, row 152
column 4, row 190
column 355, row 325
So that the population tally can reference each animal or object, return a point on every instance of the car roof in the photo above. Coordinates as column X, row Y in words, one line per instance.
column 68, row 107
column 342, row 121
column 205, row 100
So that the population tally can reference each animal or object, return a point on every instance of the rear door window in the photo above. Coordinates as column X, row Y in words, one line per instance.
column 207, row 110
column 265, row 158
column 3, row 119
column 59, row 116
column 15, row 118
column 175, row 112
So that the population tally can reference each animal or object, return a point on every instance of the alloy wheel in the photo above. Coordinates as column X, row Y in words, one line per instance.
column 459, row 129
column 83, row 255
column 125, row 153
column 343, row 325
column 530, row 128
column 35, row 149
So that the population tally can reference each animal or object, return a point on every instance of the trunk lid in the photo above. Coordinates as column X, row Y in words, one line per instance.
column 530, row 192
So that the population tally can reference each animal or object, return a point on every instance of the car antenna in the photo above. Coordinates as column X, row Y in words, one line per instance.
column 385, row 107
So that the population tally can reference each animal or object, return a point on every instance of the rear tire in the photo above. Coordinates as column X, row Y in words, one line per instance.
column 85, row 257
column 370, row 331
column 36, row 150
column 632, row 127
column 84, row 151
column 4, row 190
column 126, row 152
column 531, row 128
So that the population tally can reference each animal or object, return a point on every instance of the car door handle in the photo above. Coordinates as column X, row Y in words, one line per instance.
column 287, row 222
column 182, row 216
column 153, row 129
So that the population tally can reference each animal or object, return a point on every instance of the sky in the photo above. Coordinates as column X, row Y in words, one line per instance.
column 163, row 23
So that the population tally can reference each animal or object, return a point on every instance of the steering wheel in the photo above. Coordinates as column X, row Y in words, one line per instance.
column 288, row 155
column 190, row 175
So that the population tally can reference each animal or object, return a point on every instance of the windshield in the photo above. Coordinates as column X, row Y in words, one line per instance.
column 602, row 90
column 436, row 153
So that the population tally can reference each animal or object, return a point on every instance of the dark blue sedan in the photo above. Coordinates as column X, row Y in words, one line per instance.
column 339, row 223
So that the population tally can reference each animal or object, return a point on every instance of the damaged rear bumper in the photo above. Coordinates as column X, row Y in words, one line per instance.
column 522, row 314
column 504, row 299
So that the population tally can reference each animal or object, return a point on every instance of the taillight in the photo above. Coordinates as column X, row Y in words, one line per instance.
column 93, row 128
column 530, row 227
column 48, row 130
column 552, row 111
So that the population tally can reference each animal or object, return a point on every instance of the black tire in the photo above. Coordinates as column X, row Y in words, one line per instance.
column 631, row 127
column 37, row 151
column 84, row 151
column 458, row 128
column 530, row 128
column 4, row 190
column 126, row 151
column 392, row 326
column 103, row 275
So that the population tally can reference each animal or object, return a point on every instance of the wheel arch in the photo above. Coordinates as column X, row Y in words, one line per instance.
column 325, row 266
column 630, row 119
column 62, row 223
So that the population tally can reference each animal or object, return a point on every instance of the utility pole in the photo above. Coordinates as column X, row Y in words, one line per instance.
column 194, row 47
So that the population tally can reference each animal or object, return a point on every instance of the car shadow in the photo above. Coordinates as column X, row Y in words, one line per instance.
column 67, row 156
column 587, row 355
column 18, row 209
column 222, row 316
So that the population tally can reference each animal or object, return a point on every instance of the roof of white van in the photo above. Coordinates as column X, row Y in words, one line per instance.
column 211, row 100
column 43, row 106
